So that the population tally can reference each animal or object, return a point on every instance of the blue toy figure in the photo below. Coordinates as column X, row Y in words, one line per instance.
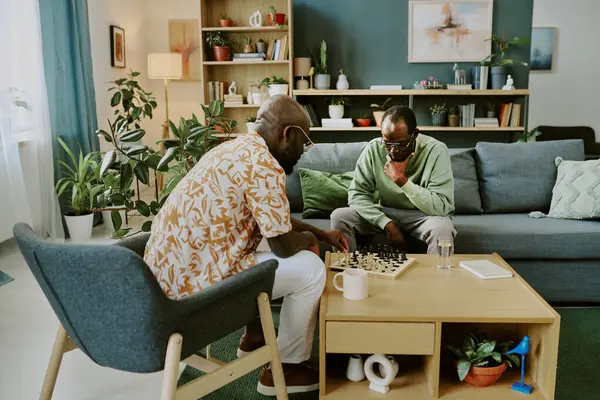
column 522, row 349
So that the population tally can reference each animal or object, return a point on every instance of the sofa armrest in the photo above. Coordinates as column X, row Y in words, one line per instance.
column 136, row 243
column 592, row 149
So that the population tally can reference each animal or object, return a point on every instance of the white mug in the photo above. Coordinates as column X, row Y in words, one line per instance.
column 355, row 284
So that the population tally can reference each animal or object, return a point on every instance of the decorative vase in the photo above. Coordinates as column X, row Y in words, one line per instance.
column 249, row 99
column 437, row 119
column 279, row 18
column 80, row 227
column 258, row 98
column 107, row 217
column 222, row 53
column 225, row 22
column 248, row 48
column 482, row 376
column 322, row 81
column 342, row 83
column 363, row 122
column 453, row 120
column 261, row 47
column 484, row 73
column 302, row 84
column 491, row 114
column 336, row 112
column 251, row 126
column 475, row 76
column 378, row 115
column 499, row 75
column 276, row 89
column 355, row 371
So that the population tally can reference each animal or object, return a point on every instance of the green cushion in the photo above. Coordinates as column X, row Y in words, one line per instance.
column 323, row 192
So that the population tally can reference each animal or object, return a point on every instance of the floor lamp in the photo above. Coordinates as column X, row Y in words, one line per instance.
column 164, row 66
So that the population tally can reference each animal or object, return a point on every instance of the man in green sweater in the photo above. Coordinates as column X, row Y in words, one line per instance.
column 411, row 173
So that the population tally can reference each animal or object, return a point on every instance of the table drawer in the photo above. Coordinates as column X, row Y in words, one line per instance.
column 380, row 337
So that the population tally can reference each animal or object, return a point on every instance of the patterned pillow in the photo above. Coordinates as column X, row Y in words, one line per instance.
column 576, row 194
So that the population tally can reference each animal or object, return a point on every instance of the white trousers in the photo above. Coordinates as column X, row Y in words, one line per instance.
column 300, row 280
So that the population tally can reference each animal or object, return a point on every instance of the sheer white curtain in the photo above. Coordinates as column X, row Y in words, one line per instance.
column 26, row 162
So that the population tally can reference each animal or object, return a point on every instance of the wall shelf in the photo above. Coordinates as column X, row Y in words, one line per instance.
column 241, row 106
column 411, row 92
column 237, row 63
column 243, row 29
column 424, row 129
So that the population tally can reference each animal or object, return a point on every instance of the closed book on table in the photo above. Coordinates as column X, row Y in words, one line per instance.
column 485, row 269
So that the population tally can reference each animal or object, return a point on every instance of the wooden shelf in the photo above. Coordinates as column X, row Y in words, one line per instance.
column 242, row 29
column 411, row 92
column 424, row 129
column 452, row 389
column 230, row 63
column 241, row 106
column 406, row 386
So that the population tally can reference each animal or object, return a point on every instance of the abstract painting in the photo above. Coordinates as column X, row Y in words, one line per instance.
column 449, row 31
column 542, row 49
column 117, row 47
column 184, row 38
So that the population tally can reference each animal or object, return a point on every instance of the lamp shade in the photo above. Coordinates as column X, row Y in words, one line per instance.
column 302, row 66
column 165, row 66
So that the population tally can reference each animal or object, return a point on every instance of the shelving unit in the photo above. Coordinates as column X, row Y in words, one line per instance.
column 243, row 73
column 424, row 129
column 411, row 92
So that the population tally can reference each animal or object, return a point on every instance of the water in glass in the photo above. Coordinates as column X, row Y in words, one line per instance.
column 445, row 250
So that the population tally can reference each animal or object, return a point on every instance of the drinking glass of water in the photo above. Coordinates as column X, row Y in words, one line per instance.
column 445, row 249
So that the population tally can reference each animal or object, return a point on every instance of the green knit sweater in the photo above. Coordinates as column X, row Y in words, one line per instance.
column 430, row 186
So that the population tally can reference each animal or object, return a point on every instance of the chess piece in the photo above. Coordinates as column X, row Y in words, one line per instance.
column 233, row 88
column 509, row 84
column 255, row 19
column 522, row 349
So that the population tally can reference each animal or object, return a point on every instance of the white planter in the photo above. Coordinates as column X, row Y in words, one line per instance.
column 258, row 98
column 278, row 89
column 251, row 126
column 336, row 112
column 342, row 83
column 322, row 81
column 356, row 369
column 80, row 227
column 107, row 217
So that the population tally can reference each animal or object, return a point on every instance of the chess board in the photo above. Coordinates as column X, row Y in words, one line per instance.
column 383, row 264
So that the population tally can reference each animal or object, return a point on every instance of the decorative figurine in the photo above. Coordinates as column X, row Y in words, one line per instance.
column 255, row 19
column 522, row 349
column 460, row 76
column 510, row 84
column 311, row 73
column 233, row 88
column 342, row 83
column 388, row 369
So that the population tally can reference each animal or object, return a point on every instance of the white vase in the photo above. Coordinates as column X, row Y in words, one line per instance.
column 251, row 126
column 322, row 81
column 107, row 217
column 258, row 98
column 336, row 112
column 342, row 83
column 80, row 227
column 276, row 89
column 355, row 371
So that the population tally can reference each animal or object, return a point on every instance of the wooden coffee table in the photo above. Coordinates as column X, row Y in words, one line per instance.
column 425, row 307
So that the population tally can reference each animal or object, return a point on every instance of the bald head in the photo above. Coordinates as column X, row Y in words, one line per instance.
column 277, row 113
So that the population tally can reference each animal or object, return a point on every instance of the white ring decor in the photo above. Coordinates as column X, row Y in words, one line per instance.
column 387, row 369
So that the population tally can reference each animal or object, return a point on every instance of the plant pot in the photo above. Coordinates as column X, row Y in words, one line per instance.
column 251, row 126
column 453, row 120
column 378, row 115
column 499, row 75
column 225, row 22
column 80, row 226
column 107, row 217
column 248, row 48
column 491, row 114
column 222, row 53
column 356, row 370
column 276, row 89
column 482, row 376
column 279, row 18
column 322, row 81
column 437, row 119
column 336, row 112
column 261, row 47
column 363, row 122
column 258, row 98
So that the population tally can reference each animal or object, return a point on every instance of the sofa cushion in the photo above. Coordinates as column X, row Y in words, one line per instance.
column 328, row 157
column 323, row 192
column 516, row 236
column 466, row 186
column 324, row 223
column 519, row 177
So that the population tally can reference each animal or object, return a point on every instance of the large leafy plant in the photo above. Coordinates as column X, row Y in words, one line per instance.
column 477, row 350
column 130, row 101
column 504, row 46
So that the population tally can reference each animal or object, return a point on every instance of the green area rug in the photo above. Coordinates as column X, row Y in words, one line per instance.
column 5, row 278
column 578, row 375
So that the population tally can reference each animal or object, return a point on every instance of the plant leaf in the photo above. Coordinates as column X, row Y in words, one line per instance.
column 482, row 363
column 120, row 233
column 168, row 143
column 136, row 113
column 174, row 129
column 213, row 109
column 126, row 176
column 456, row 350
column 134, row 74
column 515, row 358
column 108, row 161
column 142, row 208
column 463, row 369
column 132, row 136
column 171, row 184
column 136, row 150
column 117, row 199
column 497, row 357
column 142, row 172
column 167, row 158
column 486, row 348
column 117, row 221
column 104, row 134
column 116, row 99
column 154, row 207
column 147, row 226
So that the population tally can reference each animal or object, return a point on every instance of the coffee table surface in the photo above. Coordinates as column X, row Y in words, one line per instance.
column 425, row 293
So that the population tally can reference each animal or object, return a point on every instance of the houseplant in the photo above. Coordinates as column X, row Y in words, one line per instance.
column 225, row 21
column 379, row 110
column 438, row 114
column 498, row 62
column 114, row 194
column 251, row 123
column 275, row 18
column 322, row 78
column 261, row 46
column 277, row 85
column 221, row 44
column 336, row 107
column 248, row 48
column 453, row 116
column 491, row 110
column 529, row 136
column 78, row 180
column 259, row 97
column 363, row 120
column 480, row 361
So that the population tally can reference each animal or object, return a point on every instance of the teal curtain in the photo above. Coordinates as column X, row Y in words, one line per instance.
column 69, row 78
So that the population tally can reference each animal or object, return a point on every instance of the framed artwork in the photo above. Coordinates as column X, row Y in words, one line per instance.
column 184, row 38
column 449, row 30
column 117, row 47
column 543, row 45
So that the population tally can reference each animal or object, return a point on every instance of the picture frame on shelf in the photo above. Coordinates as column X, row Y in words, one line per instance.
column 449, row 31
column 117, row 47
column 543, row 49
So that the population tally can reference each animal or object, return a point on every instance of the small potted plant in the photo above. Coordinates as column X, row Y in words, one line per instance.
column 248, row 48
column 363, row 120
column 251, row 123
column 275, row 18
column 259, row 97
column 261, row 46
column 225, row 21
column 277, row 85
column 379, row 110
column 498, row 63
column 480, row 361
column 438, row 114
column 322, row 78
column 336, row 107
column 491, row 110
column 529, row 136
column 453, row 116
column 221, row 45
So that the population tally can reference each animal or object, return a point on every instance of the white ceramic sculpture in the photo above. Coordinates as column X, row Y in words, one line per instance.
column 255, row 19
column 233, row 88
column 342, row 83
column 355, row 371
column 510, row 84
column 388, row 369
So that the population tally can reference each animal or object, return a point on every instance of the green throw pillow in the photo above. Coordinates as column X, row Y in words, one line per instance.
column 323, row 192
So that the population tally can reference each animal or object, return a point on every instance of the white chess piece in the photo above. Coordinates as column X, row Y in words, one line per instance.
column 255, row 19
column 233, row 88
column 509, row 84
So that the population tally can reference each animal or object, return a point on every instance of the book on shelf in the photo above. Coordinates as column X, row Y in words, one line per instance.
column 467, row 115
column 337, row 123
column 211, row 91
column 249, row 55
column 486, row 122
column 278, row 49
column 515, row 118
column 510, row 115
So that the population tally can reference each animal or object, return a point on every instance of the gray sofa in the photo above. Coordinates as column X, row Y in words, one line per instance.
column 496, row 187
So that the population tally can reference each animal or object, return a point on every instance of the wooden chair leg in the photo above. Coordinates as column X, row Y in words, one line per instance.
column 172, row 359
column 54, row 365
column 266, row 319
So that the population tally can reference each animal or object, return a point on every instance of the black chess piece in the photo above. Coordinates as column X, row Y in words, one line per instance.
column 404, row 258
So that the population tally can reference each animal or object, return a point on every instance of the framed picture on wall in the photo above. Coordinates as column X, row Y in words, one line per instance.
column 449, row 31
column 117, row 47
column 184, row 38
column 543, row 46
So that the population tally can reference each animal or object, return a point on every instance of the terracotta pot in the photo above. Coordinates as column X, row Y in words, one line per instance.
column 248, row 48
column 222, row 53
column 482, row 376
column 453, row 120
column 225, row 22
column 279, row 18
column 364, row 122
column 378, row 115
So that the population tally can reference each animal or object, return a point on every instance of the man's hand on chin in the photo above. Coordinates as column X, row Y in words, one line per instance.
column 396, row 171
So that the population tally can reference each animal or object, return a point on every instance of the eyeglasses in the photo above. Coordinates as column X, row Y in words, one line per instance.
column 307, row 145
column 403, row 145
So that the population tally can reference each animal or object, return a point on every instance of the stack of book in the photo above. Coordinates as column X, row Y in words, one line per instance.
column 233, row 99
column 467, row 115
column 248, row 57
column 338, row 123
column 216, row 90
column 279, row 49
column 510, row 115
column 486, row 122
column 314, row 119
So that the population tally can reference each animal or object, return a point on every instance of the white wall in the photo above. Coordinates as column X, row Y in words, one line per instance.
column 570, row 94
